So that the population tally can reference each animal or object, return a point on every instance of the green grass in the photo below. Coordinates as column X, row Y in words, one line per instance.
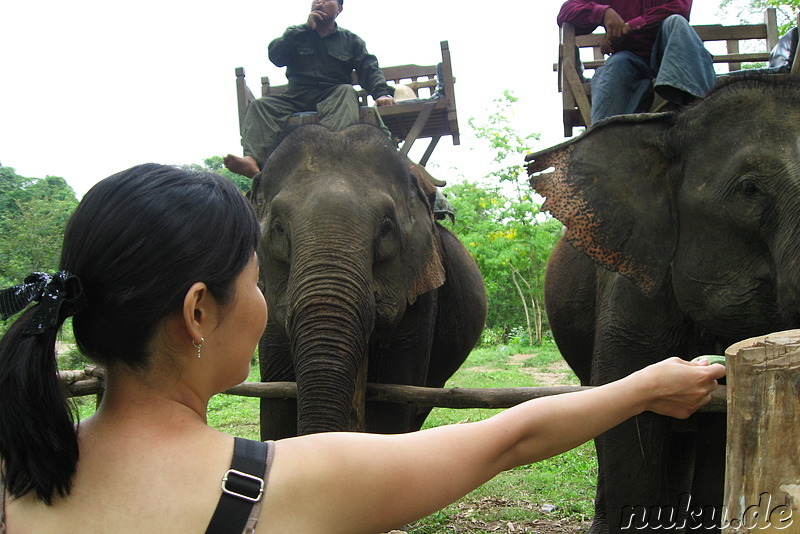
column 237, row 416
column 517, row 496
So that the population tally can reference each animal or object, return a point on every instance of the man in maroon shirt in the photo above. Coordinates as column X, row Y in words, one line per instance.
column 651, row 45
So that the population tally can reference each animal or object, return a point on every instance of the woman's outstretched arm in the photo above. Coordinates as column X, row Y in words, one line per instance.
column 369, row 483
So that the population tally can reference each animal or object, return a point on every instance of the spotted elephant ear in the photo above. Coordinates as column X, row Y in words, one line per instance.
column 611, row 188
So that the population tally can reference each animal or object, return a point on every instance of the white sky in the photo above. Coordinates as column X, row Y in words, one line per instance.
column 88, row 87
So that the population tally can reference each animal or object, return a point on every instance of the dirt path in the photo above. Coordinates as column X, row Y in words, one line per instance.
column 556, row 374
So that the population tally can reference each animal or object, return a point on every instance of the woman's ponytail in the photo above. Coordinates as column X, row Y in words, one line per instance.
column 38, row 444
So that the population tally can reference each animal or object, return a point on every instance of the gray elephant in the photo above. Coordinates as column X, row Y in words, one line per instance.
column 683, row 236
column 362, row 285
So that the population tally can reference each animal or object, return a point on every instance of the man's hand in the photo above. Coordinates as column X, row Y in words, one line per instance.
column 606, row 46
column 616, row 28
column 314, row 17
column 385, row 100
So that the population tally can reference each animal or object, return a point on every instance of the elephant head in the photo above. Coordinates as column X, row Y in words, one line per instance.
column 707, row 200
column 348, row 245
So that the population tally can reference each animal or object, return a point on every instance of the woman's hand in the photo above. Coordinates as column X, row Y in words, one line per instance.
column 678, row 388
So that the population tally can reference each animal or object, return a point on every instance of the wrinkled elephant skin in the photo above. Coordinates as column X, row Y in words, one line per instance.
column 683, row 236
column 362, row 285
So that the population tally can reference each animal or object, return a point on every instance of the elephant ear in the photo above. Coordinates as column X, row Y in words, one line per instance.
column 432, row 275
column 424, row 240
column 612, row 190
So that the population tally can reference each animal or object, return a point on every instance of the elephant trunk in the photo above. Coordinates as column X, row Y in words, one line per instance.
column 329, row 320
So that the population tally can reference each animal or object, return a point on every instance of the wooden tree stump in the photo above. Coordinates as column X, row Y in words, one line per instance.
column 762, row 478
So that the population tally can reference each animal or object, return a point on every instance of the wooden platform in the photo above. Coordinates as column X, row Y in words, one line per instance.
column 431, row 115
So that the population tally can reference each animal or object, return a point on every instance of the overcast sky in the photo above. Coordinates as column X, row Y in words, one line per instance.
column 92, row 87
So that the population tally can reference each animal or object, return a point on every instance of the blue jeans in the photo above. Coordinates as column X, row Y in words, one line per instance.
column 679, row 64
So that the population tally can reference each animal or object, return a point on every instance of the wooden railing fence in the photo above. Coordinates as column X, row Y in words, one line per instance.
column 90, row 382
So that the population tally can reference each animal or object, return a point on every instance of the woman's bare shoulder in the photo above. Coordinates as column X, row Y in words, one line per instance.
column 131, row 485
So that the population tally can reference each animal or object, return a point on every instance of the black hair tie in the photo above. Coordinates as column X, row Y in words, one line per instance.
column 52, row 292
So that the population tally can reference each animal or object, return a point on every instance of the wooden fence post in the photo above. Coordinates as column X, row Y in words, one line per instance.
column 762, row 474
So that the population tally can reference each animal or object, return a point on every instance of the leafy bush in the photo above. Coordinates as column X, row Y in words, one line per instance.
column 499, row 220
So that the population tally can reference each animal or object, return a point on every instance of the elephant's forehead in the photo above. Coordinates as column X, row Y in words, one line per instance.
column 756, row 113
column 317, row 174
column 332, row 194
column 766, row 150
column 312, row 164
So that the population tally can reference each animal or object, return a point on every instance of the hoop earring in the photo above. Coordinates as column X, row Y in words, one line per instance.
column 198, row 346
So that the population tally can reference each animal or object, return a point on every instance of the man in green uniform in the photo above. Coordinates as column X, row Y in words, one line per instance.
column 319, row 57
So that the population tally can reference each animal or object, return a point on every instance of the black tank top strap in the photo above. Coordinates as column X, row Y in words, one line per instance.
column 242, row 487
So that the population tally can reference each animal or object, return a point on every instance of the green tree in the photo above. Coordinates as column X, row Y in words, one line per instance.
column 500, row 222
column 753, row 10
column 33, row 214
column 12, row 187
column 215, row 164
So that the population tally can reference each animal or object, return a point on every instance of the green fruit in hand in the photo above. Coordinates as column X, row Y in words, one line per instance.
column 712, row 358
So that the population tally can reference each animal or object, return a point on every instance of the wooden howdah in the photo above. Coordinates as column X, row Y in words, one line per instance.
column 431, row 115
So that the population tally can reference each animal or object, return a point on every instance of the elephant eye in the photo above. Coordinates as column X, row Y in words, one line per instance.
column 278, row 241
column 384, row 241
column 386, row 227
column 748, row 186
